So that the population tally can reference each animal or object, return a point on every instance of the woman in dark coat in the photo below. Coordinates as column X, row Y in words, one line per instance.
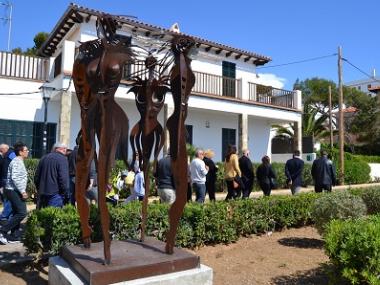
column 211, row 174
column 266, row 175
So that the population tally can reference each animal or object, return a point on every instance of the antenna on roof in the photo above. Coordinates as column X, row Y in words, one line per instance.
column 8, row 19
column 175, row 28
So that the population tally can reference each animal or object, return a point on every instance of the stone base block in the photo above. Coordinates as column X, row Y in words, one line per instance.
column 60, row 273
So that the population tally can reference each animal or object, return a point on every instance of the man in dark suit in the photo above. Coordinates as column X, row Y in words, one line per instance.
column 247, row 174
column 293, row 172
column 323, row 173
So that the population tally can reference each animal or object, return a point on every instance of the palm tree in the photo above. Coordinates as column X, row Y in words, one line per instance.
column 314, row 124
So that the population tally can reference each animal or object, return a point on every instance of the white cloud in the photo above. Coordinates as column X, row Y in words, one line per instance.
column 270, row 79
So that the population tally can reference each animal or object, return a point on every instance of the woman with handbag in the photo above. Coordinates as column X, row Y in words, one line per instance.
column 266, row 176
column 232, row 174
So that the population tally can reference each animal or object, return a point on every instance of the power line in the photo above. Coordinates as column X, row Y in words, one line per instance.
column 39, row 91
column 20, row 93
column 299, row 61
column 365, row 73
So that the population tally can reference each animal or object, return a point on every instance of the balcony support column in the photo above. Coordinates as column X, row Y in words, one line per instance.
column 298, row 136
column 243, row 132
column 65, row 117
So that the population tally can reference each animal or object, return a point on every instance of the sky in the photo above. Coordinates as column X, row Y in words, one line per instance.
column 286, row 31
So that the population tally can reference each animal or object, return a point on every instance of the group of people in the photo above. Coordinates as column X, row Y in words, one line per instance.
column 13, row 181
column 239, row 174
column 55, row 180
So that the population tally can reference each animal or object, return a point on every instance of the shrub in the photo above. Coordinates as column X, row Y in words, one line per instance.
column 354, row 247
column 356, row 172
column 48, row 229
column 371, row 198
column 369, row 158
column 337, row 205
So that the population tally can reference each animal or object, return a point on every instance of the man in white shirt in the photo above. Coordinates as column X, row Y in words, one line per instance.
column 198, row 171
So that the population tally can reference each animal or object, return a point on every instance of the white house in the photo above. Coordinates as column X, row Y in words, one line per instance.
column 365, row 85
column 226, row 105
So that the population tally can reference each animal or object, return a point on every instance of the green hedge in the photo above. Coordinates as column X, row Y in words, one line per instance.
column 354, row 248
column 369, row 158
column 47, row 230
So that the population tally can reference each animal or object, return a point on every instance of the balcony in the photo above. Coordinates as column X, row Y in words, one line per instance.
column 269, row 95
column 215, row 85
column 23, row 66
column 210, row 84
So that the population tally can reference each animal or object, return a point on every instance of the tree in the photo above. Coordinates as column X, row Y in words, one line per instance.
column 362, row 123
column 315, row 92
column 314, row 125
column 38, row 39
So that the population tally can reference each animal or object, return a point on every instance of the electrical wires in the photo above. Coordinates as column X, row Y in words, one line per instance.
column 299, row 61
column 366, row 74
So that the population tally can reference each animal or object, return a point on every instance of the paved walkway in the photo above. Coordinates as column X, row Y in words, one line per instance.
column 16, row 253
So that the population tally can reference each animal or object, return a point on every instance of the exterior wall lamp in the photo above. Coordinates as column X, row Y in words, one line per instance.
column 46, row 95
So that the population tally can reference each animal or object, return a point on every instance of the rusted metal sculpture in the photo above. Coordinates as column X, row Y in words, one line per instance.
column 96, row 75
column 182, row 80
column 148, row 132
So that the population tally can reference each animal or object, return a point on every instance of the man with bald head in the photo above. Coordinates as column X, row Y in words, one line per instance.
column 52, row 178
column 7, row 155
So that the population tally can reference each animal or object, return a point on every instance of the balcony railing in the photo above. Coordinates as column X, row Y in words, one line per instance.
column 210, row 84
column 270, row 95
column 23, row 66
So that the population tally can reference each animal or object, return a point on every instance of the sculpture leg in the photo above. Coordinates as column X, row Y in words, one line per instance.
column 179, row 168
column 145, row 201
column 109, row 139
column 84, row 158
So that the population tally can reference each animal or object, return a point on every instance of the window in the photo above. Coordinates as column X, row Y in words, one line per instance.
column 228, row 138
column 229, row 75
column 58, row 65
column 29, row 133
column 189, row 134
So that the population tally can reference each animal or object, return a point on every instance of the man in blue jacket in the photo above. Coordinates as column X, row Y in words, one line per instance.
column 7, row 154
column 323, row 173
column 293, row 172
column 52, row 178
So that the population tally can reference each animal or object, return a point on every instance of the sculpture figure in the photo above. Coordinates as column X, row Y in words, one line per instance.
column 148, row 132
column 182, row 80
column 96, row 76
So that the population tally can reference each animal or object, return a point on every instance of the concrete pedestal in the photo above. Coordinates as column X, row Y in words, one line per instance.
column 60, row 273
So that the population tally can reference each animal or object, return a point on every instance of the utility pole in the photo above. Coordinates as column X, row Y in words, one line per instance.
column 341, row 118
column 9, row 19
column 330, row 120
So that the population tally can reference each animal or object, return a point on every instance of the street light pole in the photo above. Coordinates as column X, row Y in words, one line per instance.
column 341, row 118
column 46, row 93
column 44, row 137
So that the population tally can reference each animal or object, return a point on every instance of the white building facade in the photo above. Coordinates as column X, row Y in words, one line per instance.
column 226, row 105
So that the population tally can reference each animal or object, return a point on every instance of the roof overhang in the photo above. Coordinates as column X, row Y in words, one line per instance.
column 76, row 14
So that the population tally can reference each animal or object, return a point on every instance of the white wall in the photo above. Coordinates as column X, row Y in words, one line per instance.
column 375, row 171
column 211, row 137
column 259, row 142
column 28, row 107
